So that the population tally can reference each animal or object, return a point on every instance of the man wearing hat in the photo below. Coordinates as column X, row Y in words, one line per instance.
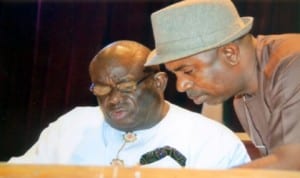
column 207, row 45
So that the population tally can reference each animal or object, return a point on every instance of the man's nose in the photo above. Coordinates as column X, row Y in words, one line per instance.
column 115, row 97
column 183, row 84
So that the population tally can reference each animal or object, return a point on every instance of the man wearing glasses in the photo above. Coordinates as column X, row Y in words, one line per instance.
column 134, row 125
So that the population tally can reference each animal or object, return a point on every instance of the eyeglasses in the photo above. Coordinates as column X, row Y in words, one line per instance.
column 125, row 87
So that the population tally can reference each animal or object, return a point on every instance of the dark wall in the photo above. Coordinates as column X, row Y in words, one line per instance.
column 46, row 46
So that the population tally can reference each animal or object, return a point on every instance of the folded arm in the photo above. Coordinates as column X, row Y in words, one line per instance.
column 283, row 157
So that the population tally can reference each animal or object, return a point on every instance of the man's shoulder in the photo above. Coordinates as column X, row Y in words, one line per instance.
column 80, row 116
column 277, row 53
column 278, row 38
column 181, row 111
column 206, row 129
column 278, row 47
column 83, row 111
column 196, row 119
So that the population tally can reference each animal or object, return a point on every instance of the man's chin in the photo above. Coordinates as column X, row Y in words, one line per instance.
column 213, row 101
column 123, row 127
column 199, row 100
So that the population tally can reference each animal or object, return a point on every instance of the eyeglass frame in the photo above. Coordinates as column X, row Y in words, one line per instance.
column 120, row 90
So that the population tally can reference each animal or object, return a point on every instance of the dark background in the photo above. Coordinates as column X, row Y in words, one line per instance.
column 46, row 46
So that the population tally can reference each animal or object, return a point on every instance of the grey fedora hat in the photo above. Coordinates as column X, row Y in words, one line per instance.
column 193, row 26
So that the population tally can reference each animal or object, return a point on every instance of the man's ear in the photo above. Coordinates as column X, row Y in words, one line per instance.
column 231, row 53
column 161, row 80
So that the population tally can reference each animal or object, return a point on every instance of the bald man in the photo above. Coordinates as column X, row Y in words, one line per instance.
column 134, row 125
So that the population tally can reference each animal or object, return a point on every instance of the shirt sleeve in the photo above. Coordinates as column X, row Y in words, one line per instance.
column 57, row 141
column 284, row 103
column 45, row 150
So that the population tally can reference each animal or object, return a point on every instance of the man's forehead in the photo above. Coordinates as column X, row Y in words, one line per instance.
column 117, row 74
column 202, row 58
column 176, row 65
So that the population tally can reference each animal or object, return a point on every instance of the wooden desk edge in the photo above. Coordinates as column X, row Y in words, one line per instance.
column 63, row 171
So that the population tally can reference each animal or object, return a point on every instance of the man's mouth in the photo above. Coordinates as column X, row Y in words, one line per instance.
column 118, row 114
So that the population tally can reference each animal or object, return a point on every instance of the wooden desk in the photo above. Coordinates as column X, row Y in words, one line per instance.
column 56, row 171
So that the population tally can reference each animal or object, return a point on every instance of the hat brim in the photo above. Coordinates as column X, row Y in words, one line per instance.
column 155, row 59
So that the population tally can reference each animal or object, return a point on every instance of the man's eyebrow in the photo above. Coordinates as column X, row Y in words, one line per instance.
column 125, row 78
column 179, row 68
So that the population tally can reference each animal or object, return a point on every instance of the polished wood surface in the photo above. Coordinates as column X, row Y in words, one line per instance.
column 59, row 171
